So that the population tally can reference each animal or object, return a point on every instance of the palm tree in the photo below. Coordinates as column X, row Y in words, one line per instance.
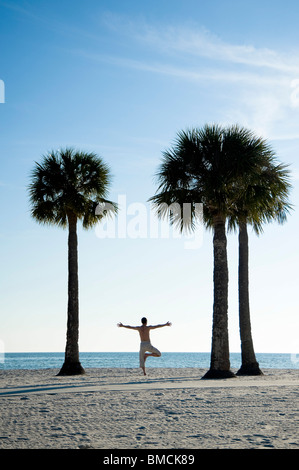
column 262, row 197
column 203, row 166
column 66, row 187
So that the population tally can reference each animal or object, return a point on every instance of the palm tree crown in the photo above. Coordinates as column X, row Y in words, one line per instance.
column 262, row 197
column 69, row 181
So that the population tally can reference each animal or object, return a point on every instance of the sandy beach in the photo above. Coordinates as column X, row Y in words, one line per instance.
column 167, row 409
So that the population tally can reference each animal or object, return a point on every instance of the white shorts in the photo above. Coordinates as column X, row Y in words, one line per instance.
column 146, row 346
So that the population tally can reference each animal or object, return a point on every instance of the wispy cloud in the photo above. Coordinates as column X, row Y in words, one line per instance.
column 205, row 44
column 260, row 82
column 191, row 73
column 197, row 41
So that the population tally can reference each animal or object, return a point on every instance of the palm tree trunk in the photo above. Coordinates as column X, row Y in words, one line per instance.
column 220, row 364
column 249, row 365
column 72, row 364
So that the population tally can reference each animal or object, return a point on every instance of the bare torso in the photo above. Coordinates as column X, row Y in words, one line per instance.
column 144, row 333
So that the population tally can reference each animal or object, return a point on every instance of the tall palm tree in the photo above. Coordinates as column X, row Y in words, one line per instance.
column 262, row 197
column 203, row 166
column 66, row 187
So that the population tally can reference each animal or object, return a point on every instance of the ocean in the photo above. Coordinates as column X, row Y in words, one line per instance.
column 54, row 360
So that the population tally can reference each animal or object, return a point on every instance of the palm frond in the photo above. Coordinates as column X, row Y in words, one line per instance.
column 68, row 181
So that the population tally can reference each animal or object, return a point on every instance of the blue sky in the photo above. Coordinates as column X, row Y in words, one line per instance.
column 121, row 79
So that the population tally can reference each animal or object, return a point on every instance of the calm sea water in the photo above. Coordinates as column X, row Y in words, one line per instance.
column 126, row 359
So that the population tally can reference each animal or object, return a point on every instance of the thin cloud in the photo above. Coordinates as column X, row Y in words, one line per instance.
column 262, row 84
column 199, row 42
column 199, row 74
column 208, row 45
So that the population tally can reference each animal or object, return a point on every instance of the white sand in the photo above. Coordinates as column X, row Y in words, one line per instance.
column 167, row 409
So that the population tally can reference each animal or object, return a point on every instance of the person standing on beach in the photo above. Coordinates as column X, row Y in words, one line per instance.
column 145, row 342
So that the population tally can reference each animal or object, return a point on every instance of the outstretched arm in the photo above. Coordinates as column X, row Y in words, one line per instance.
column 160, row 326
column 120, row 325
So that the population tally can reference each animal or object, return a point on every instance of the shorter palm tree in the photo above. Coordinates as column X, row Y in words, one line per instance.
column 262, row 197
column 67, row 186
